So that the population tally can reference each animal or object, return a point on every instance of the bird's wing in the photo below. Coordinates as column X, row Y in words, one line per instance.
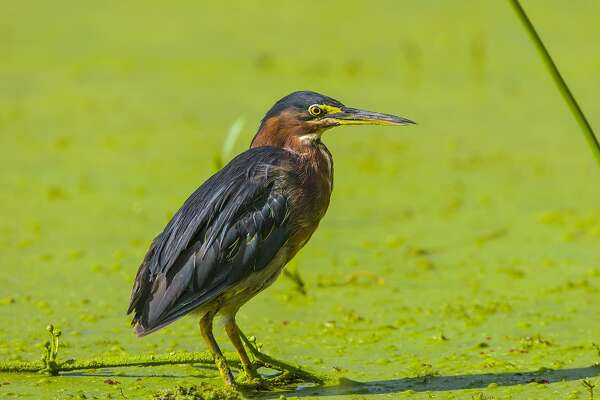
column 233, row 225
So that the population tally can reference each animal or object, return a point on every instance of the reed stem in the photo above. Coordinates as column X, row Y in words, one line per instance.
column 563, row 88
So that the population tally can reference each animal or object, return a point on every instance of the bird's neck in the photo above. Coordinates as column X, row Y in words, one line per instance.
column 304, row 141
column 288, row 134
column 315, row 161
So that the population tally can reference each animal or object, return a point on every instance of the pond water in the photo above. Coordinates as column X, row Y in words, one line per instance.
column 458, row 260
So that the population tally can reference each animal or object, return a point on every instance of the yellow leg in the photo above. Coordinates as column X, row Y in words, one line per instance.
column 234, row 335
column 206, row 325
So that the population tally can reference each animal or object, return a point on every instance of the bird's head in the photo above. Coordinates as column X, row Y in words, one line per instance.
column 301, row 117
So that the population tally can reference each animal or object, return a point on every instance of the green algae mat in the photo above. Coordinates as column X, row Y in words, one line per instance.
column 459, row 258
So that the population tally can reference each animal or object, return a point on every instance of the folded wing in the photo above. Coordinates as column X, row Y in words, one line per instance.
column 233, row 225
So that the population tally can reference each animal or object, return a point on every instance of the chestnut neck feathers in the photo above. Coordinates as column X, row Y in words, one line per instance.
column 286, row 131
column 293, row 134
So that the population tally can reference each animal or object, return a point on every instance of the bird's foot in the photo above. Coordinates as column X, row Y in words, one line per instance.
column 248, row 375
column 283, row 380
column 257, row 382
column 254, row 384
column 288, row 374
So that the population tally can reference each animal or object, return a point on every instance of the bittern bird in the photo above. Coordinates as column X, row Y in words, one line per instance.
column 234, row 234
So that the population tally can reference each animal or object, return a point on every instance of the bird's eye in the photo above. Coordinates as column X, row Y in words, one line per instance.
column 315, row 110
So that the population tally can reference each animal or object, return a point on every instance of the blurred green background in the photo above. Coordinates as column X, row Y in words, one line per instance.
column 466, row 245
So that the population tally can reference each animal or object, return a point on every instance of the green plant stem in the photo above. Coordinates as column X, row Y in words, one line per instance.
column 293, row 373
column 296, row 279
column 114, row 362
column 558, row 80
column 21, row 366
column 49, row 364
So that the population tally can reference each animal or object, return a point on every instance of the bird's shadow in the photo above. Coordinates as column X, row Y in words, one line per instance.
column 441, row 383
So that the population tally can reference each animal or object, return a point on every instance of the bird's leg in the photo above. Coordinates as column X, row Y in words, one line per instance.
column 234, row 335
column 206, row 325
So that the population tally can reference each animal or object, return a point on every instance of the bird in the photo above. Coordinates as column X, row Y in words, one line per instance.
column 233, row 235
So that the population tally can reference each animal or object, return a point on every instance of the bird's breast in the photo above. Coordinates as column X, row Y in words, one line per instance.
column 310, row 198
column 317, row 179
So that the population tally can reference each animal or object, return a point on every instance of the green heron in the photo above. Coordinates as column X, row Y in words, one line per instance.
column 234, row 235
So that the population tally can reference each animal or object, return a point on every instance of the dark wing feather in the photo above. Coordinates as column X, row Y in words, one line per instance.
column 233, row 225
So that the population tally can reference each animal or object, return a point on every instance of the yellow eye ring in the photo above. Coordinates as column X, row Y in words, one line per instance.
column 315, row 110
